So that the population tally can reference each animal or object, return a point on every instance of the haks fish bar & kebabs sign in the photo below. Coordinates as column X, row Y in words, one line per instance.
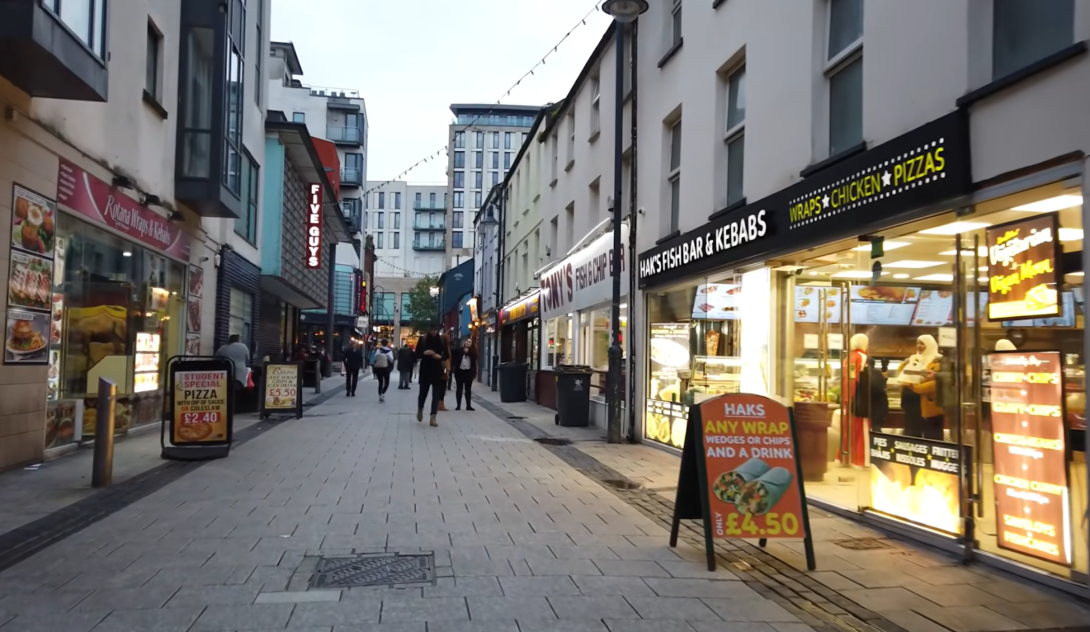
column 861, row 194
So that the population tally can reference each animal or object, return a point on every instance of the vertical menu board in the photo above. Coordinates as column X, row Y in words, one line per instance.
column 146, row 365
column 27, row 330
column 1031, row 495
column 669, row 354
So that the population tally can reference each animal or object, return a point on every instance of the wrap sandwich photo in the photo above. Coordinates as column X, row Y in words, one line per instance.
column 761, row 495
column 728, row 487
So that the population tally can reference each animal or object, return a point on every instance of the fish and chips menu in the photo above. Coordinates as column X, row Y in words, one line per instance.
column 1029, row 441
column 717, row 301
column 883, row 305
column 810, row 300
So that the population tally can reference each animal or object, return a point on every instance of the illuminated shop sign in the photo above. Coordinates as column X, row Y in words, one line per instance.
column 1023, row 270
column 860, row 194
column 525, row 308
column 583, row 279
column 314, row 227
column 917, row 479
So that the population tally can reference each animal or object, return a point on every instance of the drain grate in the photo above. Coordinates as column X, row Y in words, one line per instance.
column 553, row 441
column 373, row 570
column 622, row 483
column 863, row 544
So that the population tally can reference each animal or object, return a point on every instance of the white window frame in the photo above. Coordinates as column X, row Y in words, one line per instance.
column 571, row 140
column 596, row 108
column 673, row 175
column 556, row 159
column 735, row 132
column 675, row 18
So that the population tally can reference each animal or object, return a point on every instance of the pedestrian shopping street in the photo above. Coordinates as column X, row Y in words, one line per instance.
column 522, row 540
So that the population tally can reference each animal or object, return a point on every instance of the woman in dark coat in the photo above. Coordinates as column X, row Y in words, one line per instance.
column 463, row 361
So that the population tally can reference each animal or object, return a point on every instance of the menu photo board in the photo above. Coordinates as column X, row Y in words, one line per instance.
column 146, row 365
column 883, row 304
column 1032, row 500
column 810, row 300
column 740, row 473
column 281, row 389
column 717, row 301
column 917, row 479
column 1024, row 273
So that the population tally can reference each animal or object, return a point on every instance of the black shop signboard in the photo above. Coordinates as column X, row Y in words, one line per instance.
column 1032, row 499
column 861, row 194
column 918, row 479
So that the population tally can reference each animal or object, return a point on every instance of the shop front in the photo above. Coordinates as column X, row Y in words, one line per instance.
column 576, row 309
column 520, row 335
column 99, row 288
column 928, row 334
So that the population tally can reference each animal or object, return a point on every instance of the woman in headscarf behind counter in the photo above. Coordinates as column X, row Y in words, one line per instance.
column 923, row 415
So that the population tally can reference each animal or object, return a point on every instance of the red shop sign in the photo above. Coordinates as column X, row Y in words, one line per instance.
column 82, row 193
column 314, row 227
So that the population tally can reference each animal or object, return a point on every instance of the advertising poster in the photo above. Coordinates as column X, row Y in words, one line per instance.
column 883, row 304
column 717, row 301
column 196, row 281
column 750, row 462
column 193, row 344
column 810, row 300
column 33, row 222
column 916, row 479
column 666, row 422
column 200, row 406
column 26, row 339
column 193, row 315
column 281, row 387
column 1031, row 496
column 31, row 282
column 1023, row 268
column 146, row 366
column 669, row 354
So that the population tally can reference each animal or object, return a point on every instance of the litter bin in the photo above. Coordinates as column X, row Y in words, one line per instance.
column 573, row 395
column 513, row 381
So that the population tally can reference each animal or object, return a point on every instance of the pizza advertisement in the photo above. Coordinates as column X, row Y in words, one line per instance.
column 31, row 303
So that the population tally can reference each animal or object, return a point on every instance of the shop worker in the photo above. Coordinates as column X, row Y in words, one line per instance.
column 923, row 414
column 239, row 355
column 432, row 352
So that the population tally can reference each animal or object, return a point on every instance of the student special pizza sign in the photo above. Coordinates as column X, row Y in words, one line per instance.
column 740, row 473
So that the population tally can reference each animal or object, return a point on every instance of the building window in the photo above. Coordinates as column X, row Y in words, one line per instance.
column 495, row 140
column 416, row 199
column 397, row 220
column 457, row 239
column 735, row 134
column 506, row 160
column 240, row 318
column 380, row 220
column 674, row 177
column 246, row 225
column 596, row 107
column 397, row 201
column 155, row 47
column 675, row 24
column 395, row 239
column 844, row 70
column 381, row 201
column 478, row 180
column 378, row 237
column 431, row 200
column 197, row 130
column 260, row 53
column 459, row 160
column 1024, row 31
column 459, row 140
column 556, row 157
column 495, row 160
column 479, row 138
column 524, row 137
column 495, row 178
column 86, row 19
column 459, row 199
column 477, row 199
column 298, row 117
column 458, row 219
column 459, row 179
column 232, row 139
column 478, row 160
column 507, row 140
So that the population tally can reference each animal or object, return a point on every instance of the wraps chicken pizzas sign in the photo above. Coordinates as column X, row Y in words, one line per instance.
column 740, row 473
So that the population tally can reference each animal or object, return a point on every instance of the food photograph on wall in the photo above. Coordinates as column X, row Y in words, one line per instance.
column 30, row 287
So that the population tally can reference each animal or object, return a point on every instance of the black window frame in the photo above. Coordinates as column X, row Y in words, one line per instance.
column 235, row 58
column 249, row 199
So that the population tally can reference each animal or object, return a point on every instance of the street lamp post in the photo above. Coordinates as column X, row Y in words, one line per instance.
column 623, row 12
column 434, row 291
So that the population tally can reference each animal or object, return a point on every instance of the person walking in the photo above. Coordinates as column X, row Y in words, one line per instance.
column 406, row 360
column 447, row 375
column 353, row 363
column 239, row 355
column 382, row 362
column 464, row 361
column 432, row 352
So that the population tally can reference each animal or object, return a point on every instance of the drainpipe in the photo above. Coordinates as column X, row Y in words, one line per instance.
column 632, row 222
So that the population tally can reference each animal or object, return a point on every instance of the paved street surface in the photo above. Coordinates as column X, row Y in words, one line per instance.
column 521, row 540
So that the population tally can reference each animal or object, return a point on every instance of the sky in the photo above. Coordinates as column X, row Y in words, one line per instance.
column 411, row 59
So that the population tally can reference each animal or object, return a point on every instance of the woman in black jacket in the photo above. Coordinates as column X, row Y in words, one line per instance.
column 431, row 351
column 464, row 362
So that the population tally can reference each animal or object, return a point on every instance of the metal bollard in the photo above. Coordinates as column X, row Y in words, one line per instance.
column 317, row 376
column 102, row 468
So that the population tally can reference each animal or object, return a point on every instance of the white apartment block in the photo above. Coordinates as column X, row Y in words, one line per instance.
column 483, row 141
column 337, row 115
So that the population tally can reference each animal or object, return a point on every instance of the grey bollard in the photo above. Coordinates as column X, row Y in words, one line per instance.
column 102, row 468
column 317, row 376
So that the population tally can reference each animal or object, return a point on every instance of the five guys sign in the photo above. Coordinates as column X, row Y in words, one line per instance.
column 314, row 227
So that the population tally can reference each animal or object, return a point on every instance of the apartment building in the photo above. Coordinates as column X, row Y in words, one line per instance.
column 133, row 166
column 483, row 141
column 407, row 223
column 839, row 184
column 336, row 115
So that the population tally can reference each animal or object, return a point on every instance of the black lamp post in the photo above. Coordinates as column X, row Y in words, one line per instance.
column 623, row 12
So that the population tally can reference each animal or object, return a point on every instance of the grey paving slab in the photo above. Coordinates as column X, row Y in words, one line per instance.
column 465, row 587
column 970, row 619
column 56, row 622
column 401, row 609
column 538, row 586
column 956, row 595
column 260, row 617
column 161, row 620
column 622, row 586
column 592, row 608
column 1045, row 614
column 721, row 589
column 631, row 568
column 542, row 566
column 751, row 610
column 522, row 609
column 676, row 608
column 470, row 626
column 215, row 595
column 357, row 612
column 48, row 603
column 127, row 599
column 882, row 599
column 632, row 625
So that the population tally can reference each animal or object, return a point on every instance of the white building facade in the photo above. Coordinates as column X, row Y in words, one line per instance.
column 826, row 187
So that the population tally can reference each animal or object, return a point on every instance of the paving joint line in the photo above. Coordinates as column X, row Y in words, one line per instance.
column 767, row 575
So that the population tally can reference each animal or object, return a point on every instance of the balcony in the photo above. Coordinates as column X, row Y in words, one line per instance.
column 425, row 224
column 426, row 245
column 44, row 57
column 342, row 135
column 351, row 177
column 353, row 214
column 429, row 206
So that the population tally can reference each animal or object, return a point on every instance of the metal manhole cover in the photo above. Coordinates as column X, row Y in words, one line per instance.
column 373, row 570
column 621, row 483
column 553, row 441
column 863, row 544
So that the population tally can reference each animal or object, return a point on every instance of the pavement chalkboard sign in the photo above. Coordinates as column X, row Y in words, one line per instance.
column 199, row 420
column 740, row 474
column 282, row 389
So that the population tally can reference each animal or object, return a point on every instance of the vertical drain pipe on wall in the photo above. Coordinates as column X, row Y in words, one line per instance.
column 632, row 217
